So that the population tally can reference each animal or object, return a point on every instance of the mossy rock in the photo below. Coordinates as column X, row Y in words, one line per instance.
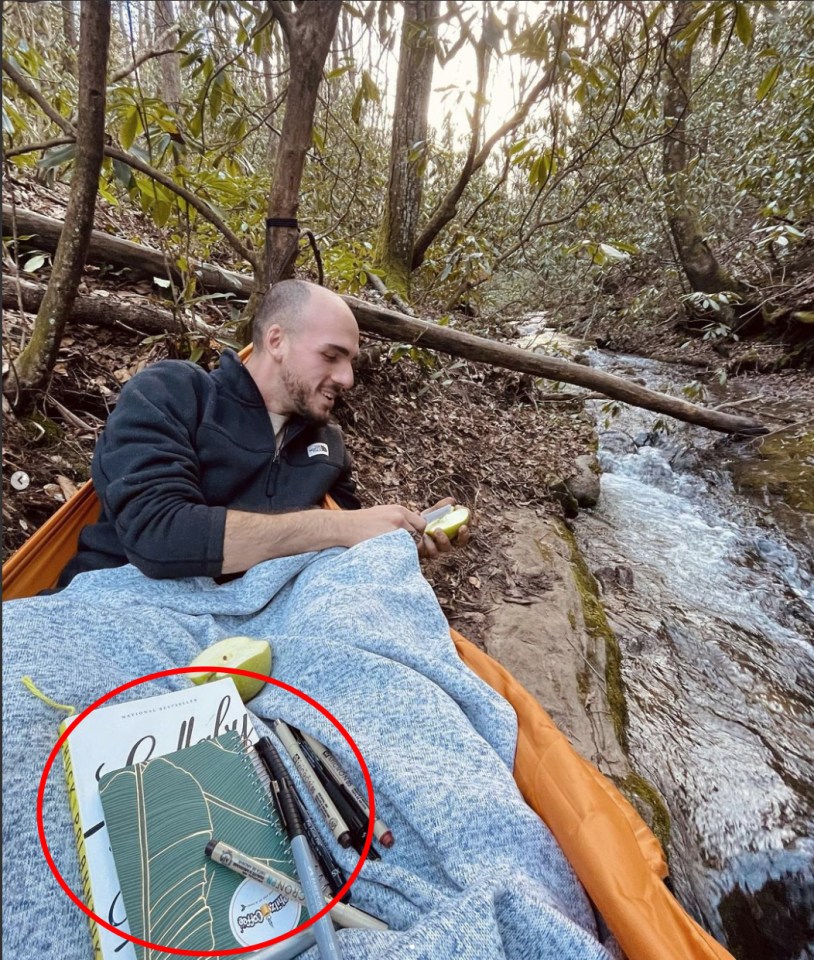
column 596, row 623
column 644, row 797
column 649, row 804
column 41, row 429
column 568, row 502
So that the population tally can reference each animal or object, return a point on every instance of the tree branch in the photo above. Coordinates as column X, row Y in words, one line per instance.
column 30, row 90
column 282, row 16
column 395, row 326
column 34, row 147
column 141, row 59
column 201, row 206
column 147, row 55
column 448, row 206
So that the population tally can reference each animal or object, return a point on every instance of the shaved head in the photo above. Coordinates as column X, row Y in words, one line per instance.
column 285, row 304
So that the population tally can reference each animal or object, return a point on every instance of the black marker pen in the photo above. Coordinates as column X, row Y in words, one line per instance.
column 327, row 941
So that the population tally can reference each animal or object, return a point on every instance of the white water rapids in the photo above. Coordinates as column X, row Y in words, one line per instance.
column 717, row 641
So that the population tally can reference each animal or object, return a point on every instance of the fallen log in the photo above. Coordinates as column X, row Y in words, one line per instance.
column 396, row 326
column 43, row 233
column 111, row 311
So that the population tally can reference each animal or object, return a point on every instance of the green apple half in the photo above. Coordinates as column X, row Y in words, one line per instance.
column 237, row 653
column 450, row 523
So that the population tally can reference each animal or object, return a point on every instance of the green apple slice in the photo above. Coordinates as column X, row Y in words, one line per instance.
column 237, row 653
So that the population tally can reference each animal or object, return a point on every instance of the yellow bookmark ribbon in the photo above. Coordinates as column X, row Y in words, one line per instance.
column 29, row 684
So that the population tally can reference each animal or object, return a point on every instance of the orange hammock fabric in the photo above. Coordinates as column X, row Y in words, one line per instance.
column 618, row 860
column 39, row 561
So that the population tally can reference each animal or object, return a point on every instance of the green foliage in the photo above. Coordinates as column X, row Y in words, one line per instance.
column 348, row 264
column 424, row 358
column 566, row 206
column 781, row 235
column 695, row 391
column 368, row 92
column 35, row 262
column 611, row 410
column 743, row 24
column 768, row 82
column 57, row 157
column 701, row 303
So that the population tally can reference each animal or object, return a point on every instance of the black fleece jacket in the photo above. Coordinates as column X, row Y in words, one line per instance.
column 180, row 448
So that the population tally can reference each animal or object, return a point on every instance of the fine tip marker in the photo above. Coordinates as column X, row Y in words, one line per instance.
column 387, row 839
column 324, row 804
column 341, row 800
column 382, row 833
column 225, row 855
column 327, row 941
column 331, row 870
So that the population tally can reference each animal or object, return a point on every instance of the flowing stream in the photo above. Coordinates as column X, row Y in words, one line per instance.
column 709, row 585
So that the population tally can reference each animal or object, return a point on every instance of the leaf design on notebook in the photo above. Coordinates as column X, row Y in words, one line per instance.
column 171, row 814
column 160, row 816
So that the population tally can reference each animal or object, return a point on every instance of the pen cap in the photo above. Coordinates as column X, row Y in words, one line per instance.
column 290, row 811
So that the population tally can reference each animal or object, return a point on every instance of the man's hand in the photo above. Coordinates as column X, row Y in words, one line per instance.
column 433, row 546
column 250, row 538
column 374, row 521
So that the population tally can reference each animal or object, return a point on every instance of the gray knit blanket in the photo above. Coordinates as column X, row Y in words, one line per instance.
column 474, row 872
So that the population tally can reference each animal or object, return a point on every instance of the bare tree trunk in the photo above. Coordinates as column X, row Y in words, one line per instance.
column 702, row 269
column 309, row 32
column 33, row 367
column 268, row 83
column 408, row 142
column 144, row 29
column 124, row 26
column 69, row 36
column 170, row 63
column 347, row 45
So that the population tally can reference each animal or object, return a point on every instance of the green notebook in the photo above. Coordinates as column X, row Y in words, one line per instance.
column 160, row 815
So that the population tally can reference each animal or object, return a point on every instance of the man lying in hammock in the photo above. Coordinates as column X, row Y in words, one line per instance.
column 205, row 474
column 474, row 873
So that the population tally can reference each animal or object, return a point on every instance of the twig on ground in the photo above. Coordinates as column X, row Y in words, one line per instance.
column 71, row 417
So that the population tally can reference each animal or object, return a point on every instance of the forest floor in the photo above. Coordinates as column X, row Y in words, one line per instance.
column 418, row 430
